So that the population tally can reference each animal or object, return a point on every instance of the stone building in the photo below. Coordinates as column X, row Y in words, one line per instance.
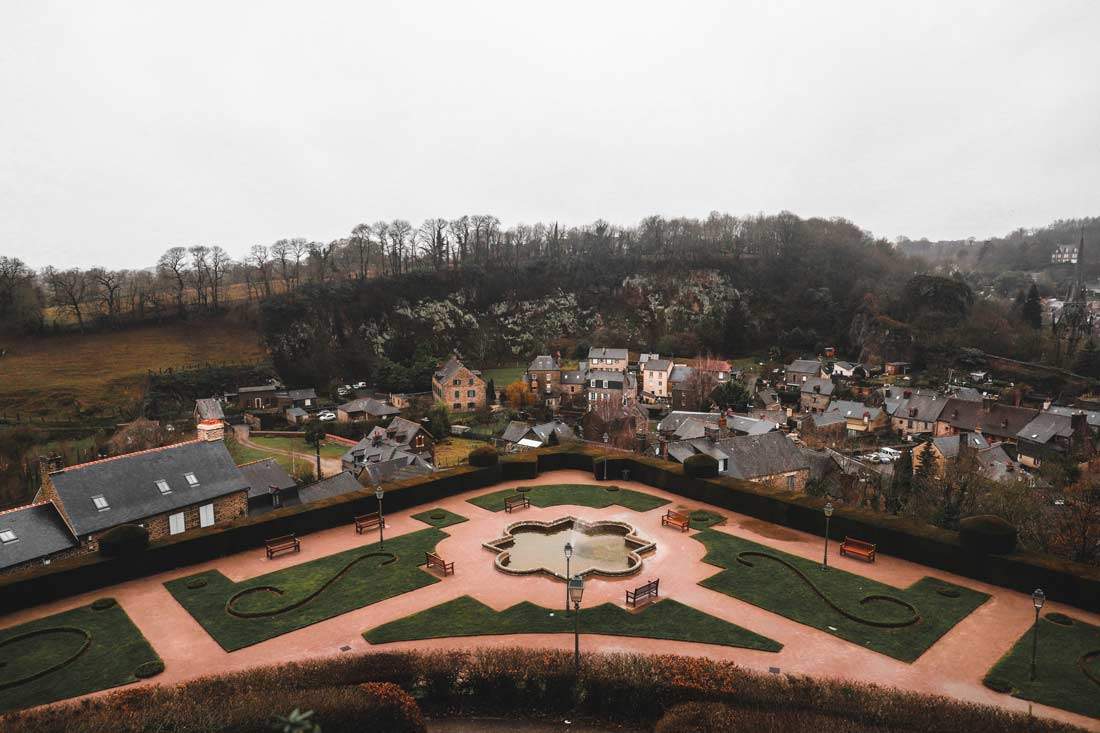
column 460, row 388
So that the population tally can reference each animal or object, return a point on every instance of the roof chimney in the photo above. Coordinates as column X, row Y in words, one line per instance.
column 211, row 431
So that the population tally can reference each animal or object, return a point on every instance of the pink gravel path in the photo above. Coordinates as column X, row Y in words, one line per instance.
column 954, row 666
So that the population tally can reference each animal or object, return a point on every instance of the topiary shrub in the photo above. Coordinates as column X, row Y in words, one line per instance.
column 149, row 669
column 484, row 456
column 196, row 583
column 123, row 540
column 998, row 684
column 100, row 604
column 987, row 534
column 1059, row 618
column 701, row 466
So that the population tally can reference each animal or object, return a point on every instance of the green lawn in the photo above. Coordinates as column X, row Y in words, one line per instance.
column 243, row 454
column 290, row 599
column 439, row 518
column 666, row 619
column 86, row 649
column 299, row 445
column 885, row 625
column 1067, row 667
column 596, row 497
column 503, row 376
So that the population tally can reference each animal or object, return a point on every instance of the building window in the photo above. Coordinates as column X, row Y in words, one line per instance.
column 457, row 382
column 101, row 503
column 206, row 515
column 176, row 523
column 456, row 394
column 7, row 536
column 457, row 405
column 191, row 479
column 790, row 483
column 419, row 441
column 471, row 393
column 163, row 486
column 471, row 405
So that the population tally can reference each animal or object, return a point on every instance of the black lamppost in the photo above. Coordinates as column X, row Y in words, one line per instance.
column 576, row 592
column 379, row 493
column 828, row 513
column 1037, row 599
column 568, row 554
column 606, row 438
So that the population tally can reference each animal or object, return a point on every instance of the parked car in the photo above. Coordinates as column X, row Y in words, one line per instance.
column 326, row 416
column 360, row 385
column 890, row 454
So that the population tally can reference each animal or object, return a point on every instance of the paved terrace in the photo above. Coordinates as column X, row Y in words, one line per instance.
column 953, row 666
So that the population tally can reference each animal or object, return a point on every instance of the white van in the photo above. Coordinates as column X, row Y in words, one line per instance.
column 890, row 454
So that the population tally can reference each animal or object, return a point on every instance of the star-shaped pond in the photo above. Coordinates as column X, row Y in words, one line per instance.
column 603, row 547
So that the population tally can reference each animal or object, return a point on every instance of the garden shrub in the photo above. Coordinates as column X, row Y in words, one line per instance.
column 701, row 466
column 1059, row 618
column 948, row 592
column 484, row 456
column 123, row 540
column 196, row 583
column 998, row 684
column 987, row 534
column 149, row 669
column 395, row 709
column 100, row 604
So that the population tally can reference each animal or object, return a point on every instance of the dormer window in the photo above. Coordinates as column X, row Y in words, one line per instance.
column 163, row 486
column 7, row 536
column 101, row 503
column 191, row 479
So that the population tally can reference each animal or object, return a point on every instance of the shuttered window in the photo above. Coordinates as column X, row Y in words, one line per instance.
column 206, row 515
column 176, row 523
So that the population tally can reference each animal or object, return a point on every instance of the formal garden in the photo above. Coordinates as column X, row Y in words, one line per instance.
column 90, row 648
column 586, row 495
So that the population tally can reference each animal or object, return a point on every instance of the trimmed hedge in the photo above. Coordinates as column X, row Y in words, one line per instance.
column 149, row 669
column 701, row 465
column 371, row 691
column 125, row 539
column 484, row 456
column 102, row 604
column 987, row 534
column 1066, row 581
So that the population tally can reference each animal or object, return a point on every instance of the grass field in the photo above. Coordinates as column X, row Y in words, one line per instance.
column 299, row 445
column 503, row 376
column 864, row 616
column 285, row 600
column 247, row 454
column 1067, row 667
column 453, row 451
column 596, row 497
column 665, row 619
column 86, row 649
column 62, row 377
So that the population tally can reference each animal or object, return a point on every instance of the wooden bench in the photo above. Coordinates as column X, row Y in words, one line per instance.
column 858, row 548
column 286, row 543
column 367, row 521
column 676, row 519
column 642, row 593
column 432, row 560
column 516, row 501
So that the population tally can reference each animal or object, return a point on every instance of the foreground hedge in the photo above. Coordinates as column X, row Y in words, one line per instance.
column 628, row 690
column 1065, row 581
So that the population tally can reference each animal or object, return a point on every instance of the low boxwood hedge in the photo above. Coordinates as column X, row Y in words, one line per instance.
column 149, row 669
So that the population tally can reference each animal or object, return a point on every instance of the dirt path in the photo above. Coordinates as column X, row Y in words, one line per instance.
column 329, row 466
column 954, row 666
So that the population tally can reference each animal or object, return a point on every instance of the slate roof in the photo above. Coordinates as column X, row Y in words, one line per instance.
column 262, row 475
column 308, row 393
column 337, row 485
column 968, row 393
column 209, row 408
column 39, row 531
column 393, row 470
column 1002, row 421
column 756, row 456
column 573, row 377
column 128, row 483
column 543, row 363
column 517, row 430
column 599, row 352
column 1093, row 417
column 855, row 410
column 608, row 374
column 996, row 465
column 259, row 388
column 923, row 407
column 948, row 445
column 657, row 365
column 370, row 406
column 804, row 366
column 401, row 430
column 824, row 419
column 295, row 412
column 1046, row 426
column 824, row 386
column 673, row 419
column 447, row 372
column 680, row 373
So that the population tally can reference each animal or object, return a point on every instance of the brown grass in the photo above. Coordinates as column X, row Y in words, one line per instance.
column 455, row 450
column 62, row 376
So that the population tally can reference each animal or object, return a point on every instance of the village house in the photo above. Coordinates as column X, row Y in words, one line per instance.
column 848, row 370
column 269, row 486
column 519, row 435
column 1092, row 417
column 686, row 425
column 823, row 429
column 896, row 368
column 345, row 483
column 988, row 417
column 544, row 377
column 34, row 535
column 365, row 409
column 259, row 397
column 815, row 394
column 611, row 387
column 679, row 380
column 305, row 398
column 799, row 370
column 460, row 388
column 384, row 457
column 296, row 416
column 1054, row 436
column 771, row 459
column 914, row 413
column 615, row 360
column 572, row 384
column 860, row 418
column 656, row 377
column 622, row 424
column 945, row 451
column 167, row 490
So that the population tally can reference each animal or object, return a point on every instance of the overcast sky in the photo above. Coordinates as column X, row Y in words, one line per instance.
column 126, row 128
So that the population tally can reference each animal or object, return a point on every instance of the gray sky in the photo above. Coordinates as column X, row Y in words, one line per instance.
column 126, row 128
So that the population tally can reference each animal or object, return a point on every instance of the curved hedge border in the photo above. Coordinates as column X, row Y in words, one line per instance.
column 87, row 642
column 1083, row 662
column 390, row 558
column 847, row 614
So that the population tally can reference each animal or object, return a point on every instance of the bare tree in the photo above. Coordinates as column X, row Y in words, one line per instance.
column 432, row 240
column 200, row 270
column 460, row 232
column 259, row 260
column 398, row 233
column 360, row 244
column 108, row 290
column 220, row 262
column 281, row 252
column 68, row 291
column 172, row 265
column 299, row 250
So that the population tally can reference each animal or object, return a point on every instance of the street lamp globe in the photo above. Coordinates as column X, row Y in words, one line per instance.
column 379, row 493
column 576, row 589
column 568, row 550
column 1038, row 598
column 828, row 509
